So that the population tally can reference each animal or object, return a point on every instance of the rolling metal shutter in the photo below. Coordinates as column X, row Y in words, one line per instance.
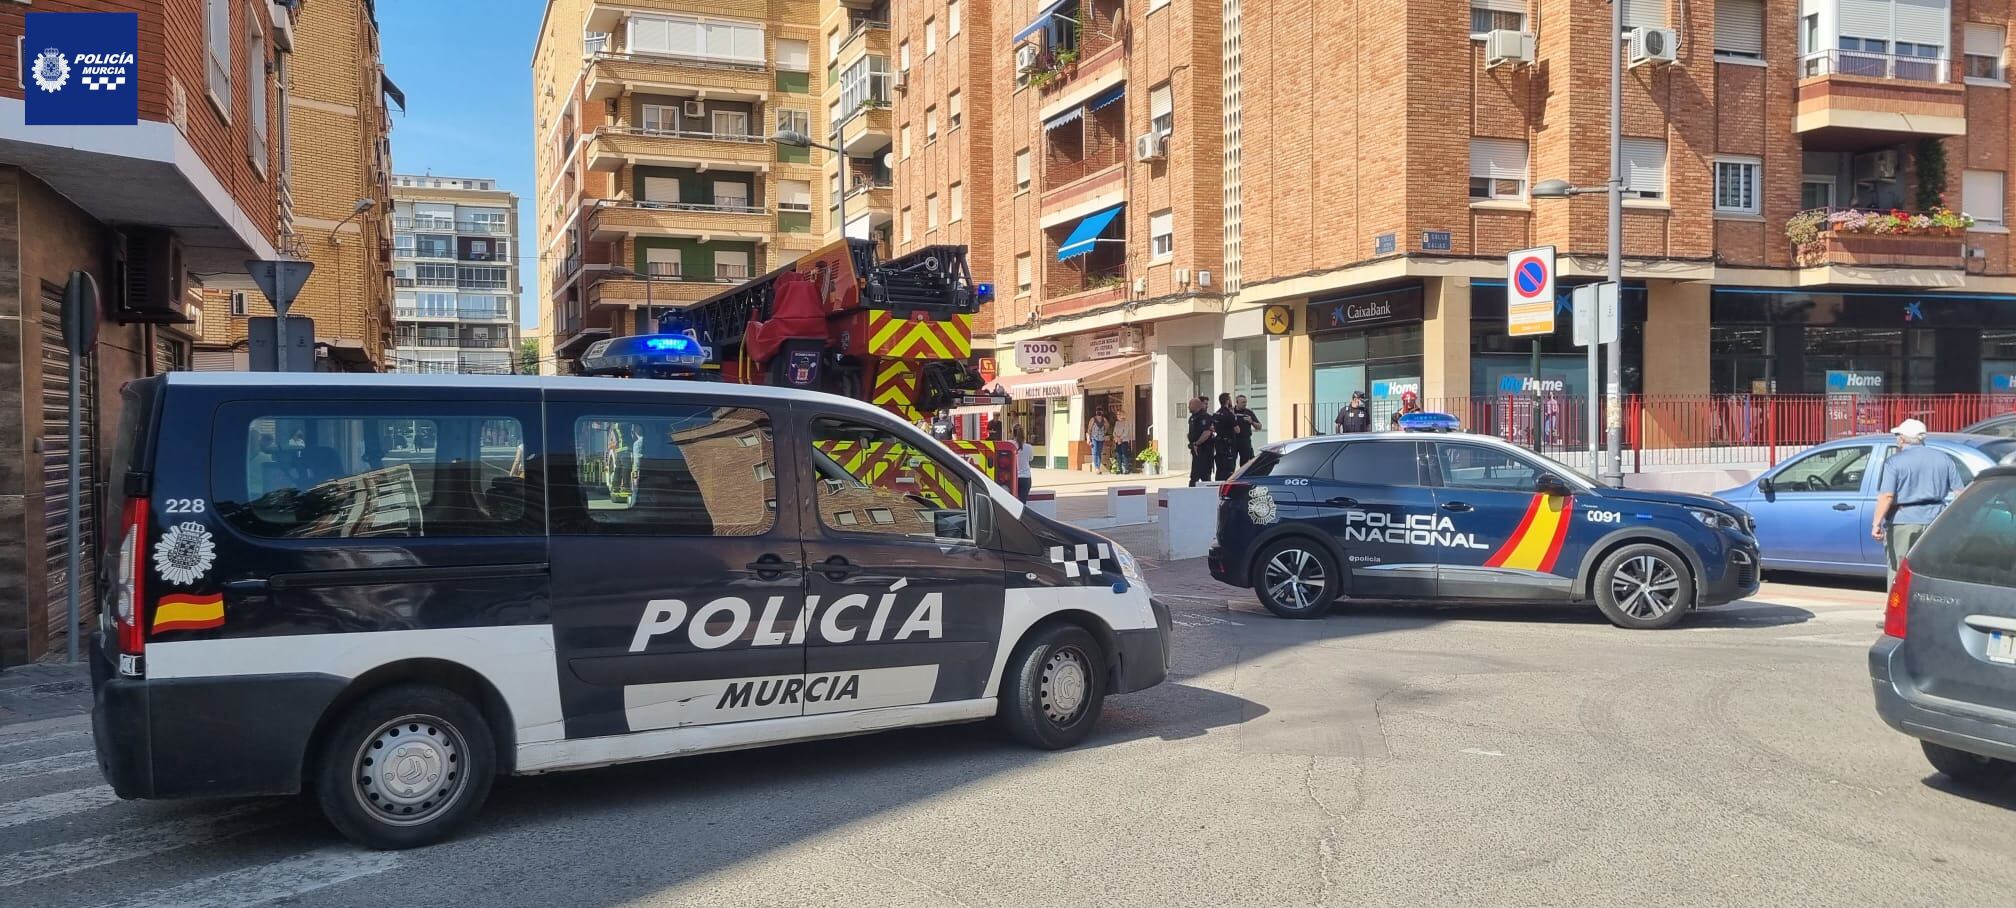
column 1644, row 14
column 1739, row 27
column 1644, row 166
column 56, row 476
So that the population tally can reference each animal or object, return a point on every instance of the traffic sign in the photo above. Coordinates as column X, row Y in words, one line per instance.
column 1595, row 313
column 1529, row 292
column 280, row 279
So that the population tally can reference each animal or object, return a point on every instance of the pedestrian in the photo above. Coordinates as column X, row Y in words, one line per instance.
column 1249, row 423
column 1225, row 427
column 994, row 427
column 1203, row 447
column 1410, row 402
column 1913, row 489
column 1123, row 443
column 1096, row 431
column 1024, row 461
column 1354, row 416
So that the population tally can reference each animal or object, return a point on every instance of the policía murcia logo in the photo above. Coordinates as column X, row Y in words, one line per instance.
column 86, row 71
column 51, row 71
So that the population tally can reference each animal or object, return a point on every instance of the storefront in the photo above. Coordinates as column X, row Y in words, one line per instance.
column 1799, row 342
column 1367, row 342
column 1502, row 364
column 1066, row 381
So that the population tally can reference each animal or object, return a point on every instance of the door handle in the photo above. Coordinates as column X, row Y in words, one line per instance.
column 255, row 586
column 1455, row 506
column 770, row 567
column 1844, row 506
column 1343, row 501
column 837, row 568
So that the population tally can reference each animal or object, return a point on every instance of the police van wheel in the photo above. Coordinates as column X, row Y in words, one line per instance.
column 405, row 767
column 1644, row 587
column 1053, row 688
column 1296, row 578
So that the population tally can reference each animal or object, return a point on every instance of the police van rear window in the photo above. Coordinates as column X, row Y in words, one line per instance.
column 306, row 473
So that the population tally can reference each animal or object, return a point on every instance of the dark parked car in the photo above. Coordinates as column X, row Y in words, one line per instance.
column 1945, row 668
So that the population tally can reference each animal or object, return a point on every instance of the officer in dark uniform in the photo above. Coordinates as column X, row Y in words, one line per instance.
column 1203, row 442
column 1225, row 426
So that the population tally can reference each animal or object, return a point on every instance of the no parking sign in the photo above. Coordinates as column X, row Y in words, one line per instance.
column 1529, row 291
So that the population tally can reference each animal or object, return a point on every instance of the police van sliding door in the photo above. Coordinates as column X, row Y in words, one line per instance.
column 676, row 580
column 903, row 603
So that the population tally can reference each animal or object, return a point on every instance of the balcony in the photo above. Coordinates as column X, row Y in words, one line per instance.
column 877, row 196
column 1878, row 239
column 868, row 36
column 482, row 228
column 1853, row 100
column 614, row 147
column 612, row 75
column 870, row 130
column 630, row 293
column 615, row 219
column 424, row 223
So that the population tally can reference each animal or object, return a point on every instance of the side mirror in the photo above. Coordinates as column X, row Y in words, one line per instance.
column 1550, row 484
column 1764, row 485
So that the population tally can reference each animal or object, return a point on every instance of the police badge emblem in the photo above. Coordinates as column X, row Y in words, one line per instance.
column 50, row 70
column 185, row 554
column 1260, row 507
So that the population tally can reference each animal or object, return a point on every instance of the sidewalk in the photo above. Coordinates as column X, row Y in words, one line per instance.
column 44, row 690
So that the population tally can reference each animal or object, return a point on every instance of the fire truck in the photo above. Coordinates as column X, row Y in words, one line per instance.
column 897, row 334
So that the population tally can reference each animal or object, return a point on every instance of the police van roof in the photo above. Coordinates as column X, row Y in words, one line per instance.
column 704, row 390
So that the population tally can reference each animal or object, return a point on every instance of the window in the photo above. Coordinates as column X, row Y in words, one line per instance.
column 1161, row 236
column 1479, row 467
column 909, row 492
column 1497, row 169
column 1022, row 169
column 930, row 37
column 661, row 189
column 1984, row 51
column 832, row 47
column 434, row 275
column 479, row 247
column 1377, row 463
column 1644, row 14
column 794, row 55
column 903, row 56
column 1161, row 110
column 1154, row 5
column 658, row 119
column 660, row 262
column 958, row 202
column 955, row 109
column 731, row 123
column 1487, row 16
column 217, row 33
column 731, row 264
column 1971, row 542
column 1739, row 29
column 1024, row 273
column 797, row 121
column 1834, row 470
column 731, row 194
column 1981, row 195
column 1816, row 192
column 738, row 42
column 1305, row 460
column 931, row 212
column 952, row 19
column 930, row 124
column 794, row 195
column 1736, row 185
column 904, row 135
column 1645, row 167
column 347, row 471
column 256, row 86
column 429, row 246
column 906, row 225
column 665, row 471
column 238, row 302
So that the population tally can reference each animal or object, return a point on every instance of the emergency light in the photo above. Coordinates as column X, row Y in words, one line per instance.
column 1429, row 422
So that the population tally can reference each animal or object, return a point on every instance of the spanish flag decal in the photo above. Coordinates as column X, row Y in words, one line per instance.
column 1537, row 541
column 189, row 612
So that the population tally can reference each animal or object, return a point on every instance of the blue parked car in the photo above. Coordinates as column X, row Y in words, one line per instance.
column 1813, row 511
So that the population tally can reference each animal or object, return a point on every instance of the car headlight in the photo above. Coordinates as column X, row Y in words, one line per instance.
column 1715, row 519
column 1129, row 568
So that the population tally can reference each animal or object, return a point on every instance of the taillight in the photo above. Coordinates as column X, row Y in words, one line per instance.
column 1225, row 490
column 130, row 609
column 1896, row 608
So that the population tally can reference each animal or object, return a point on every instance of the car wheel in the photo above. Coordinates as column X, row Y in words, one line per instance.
column 1053, row 687
column 1643, row 587
column 1967, row 768
column 1296, row 578
column 405, row 767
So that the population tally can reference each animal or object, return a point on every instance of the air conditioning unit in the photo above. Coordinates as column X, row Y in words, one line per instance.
column 151, row 281
column 898, row 78
column 1151, row 147
column 1025, row 58
column 1203, row 278
column 1182, row 277
column 696, row 108
column 1656, row 46
column 1505, row 47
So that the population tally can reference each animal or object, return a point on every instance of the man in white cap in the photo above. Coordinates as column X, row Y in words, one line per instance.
column 1913, row 490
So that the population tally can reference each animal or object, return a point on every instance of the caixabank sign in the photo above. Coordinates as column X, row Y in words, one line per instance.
column 81, row 69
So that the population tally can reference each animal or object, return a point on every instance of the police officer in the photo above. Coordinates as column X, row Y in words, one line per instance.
column 1913, row 490
column 1203, row 444
column 1355, row 416
column 1249, row 422
column 1225, row 426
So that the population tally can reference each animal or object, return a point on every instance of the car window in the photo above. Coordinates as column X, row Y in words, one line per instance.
column 2005, row 428
column 1307, row 460
column 1479, row 467
column 1998, row 451
column 1971, row 541
column 1379, row 463
column 663, row 471
column 1831, row 470
column 871, row 480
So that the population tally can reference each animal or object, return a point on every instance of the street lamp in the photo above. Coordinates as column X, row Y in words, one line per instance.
column 792, row 138
column 650, row 313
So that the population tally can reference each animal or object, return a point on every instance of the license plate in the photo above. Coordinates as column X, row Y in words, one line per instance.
column 2002, row 647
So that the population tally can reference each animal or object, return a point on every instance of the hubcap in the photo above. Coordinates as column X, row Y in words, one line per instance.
column 1294, row 578
column 409, row 770
column 1645, row 587
column 1066, row 682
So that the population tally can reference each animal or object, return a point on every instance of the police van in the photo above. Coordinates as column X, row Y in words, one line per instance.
column 1454, row 516
column 387, row 590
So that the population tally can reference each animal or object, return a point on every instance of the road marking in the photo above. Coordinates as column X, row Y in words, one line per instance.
column 42, row 766
column 1192, row 619
column 44, row 739
column 1859, row 640
column 259, row 885
column 133, row 843
column 1483, row 753
column 62, row 803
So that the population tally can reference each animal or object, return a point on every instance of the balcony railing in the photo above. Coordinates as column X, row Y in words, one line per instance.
column 747, row 66
column 484, row 284
column 688, row 206
column 661, row 132
column 441, row 282
column 424, row 222
column 1866, row 65
column 489, row 228
column 494, row 257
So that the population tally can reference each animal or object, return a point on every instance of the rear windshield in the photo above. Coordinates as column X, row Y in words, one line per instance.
column 1972, row 540
column 136, row 421
column 1306, row 460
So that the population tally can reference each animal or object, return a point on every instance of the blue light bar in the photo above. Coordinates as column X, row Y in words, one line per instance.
column 669, row 342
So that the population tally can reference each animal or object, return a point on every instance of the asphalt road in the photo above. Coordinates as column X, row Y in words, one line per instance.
column 1385, row 756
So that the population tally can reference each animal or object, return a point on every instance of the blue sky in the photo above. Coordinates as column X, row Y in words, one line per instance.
column 466, row 69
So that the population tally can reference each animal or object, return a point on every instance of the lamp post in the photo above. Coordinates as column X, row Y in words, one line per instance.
column 794, row 139
column 1613, row 188
column 650, row 310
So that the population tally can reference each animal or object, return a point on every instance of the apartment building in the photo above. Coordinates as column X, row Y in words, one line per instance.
column 335, row 194
column 657, row 182
column 455, row 265
column 861, row 81
column 154, row 212
column 1329, row 205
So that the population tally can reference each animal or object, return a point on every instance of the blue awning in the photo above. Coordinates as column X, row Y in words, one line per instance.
column 1108, row 97
column 1042, row 16
column 1063, row 119
column 1086, row 234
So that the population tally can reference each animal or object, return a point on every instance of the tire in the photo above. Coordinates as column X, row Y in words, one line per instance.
column 1968, row 768
column 1644, row 587
column 1276, row 573
column 1053, row 687
column 445, row 752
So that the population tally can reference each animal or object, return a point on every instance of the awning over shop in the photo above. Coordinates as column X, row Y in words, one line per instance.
column 1043, row 15
column 1107, row 97
column 1063, row 382
column 1064, row 119
column 1086, row 234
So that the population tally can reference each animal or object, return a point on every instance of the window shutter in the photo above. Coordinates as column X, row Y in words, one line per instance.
column 1498, row 159
column 1862, row 19
column 1981, row 194
column 1984, row 40
column 1644, row 165
column 1159, row 103
column 1644, row 14
column 795, row 192
column 1739, row 27
column 1503, row 6
column 1924, row 22
column 795, row 56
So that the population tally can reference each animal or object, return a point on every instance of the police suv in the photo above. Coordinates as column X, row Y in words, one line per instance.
column 1452, row 516
column 386, row 590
